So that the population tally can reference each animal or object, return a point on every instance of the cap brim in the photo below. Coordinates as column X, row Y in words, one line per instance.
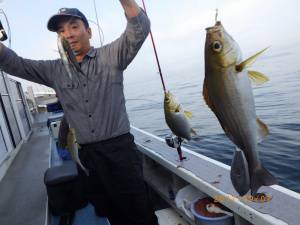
column 54, row 20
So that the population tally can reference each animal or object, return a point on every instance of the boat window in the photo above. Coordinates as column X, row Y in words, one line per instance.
column 20, row 101
column 8, row 113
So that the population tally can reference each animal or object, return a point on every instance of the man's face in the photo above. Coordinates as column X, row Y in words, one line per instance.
column 76, row 33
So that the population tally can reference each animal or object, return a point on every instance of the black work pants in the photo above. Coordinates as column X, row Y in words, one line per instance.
column 115, row 185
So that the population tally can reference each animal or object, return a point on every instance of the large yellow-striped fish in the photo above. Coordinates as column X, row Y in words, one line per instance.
column 227, row 91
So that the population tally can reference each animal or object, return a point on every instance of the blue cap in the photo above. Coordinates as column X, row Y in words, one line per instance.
column 63, row 12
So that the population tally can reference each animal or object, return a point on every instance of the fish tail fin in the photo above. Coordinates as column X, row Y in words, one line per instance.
column 83, row 167
column 261, row 177
column 77, row 159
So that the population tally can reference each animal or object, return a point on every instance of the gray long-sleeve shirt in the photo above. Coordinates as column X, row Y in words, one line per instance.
column 93, row 102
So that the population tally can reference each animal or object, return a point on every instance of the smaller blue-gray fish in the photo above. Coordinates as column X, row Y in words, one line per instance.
column 176, row 118
column 67, row 55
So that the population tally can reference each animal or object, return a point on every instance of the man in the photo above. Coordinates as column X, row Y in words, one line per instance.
column 94, row 104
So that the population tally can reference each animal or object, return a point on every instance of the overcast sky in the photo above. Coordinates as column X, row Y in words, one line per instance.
column 178, row 27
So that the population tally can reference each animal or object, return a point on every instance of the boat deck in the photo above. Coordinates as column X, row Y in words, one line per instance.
column 213, row 178
column 23, row 195
column 83, row 216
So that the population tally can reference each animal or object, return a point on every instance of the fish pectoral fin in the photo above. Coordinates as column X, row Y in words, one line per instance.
column 257, row 77
column 262, row 130
column 177, row 109
column 248, row 61
column 188, row 114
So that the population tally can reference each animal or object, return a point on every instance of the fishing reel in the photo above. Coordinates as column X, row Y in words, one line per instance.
column 175, row 142
column 172, row 141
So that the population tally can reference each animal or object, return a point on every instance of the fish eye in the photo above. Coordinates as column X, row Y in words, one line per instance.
column 217, row 46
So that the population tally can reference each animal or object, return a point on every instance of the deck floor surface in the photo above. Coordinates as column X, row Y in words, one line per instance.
column 22, row 192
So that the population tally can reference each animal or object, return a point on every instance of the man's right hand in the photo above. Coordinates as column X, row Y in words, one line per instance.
column 131, row 8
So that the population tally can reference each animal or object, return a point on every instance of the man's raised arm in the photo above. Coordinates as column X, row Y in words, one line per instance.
column 39, row 71
column 122, row 51
column 131, row 8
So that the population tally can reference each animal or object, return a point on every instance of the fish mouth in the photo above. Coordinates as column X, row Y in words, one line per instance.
column 217, row 27
column 210, row 30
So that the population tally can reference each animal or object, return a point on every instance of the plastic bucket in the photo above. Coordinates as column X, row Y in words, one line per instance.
column 205, row 220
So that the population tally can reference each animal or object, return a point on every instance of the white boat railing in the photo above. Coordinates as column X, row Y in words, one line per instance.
column 213, row 178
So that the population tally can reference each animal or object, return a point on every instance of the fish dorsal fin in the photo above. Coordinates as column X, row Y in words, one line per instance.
column 193, row 131
column 262, row 130
column 257, row 77
column 206, row 95
column 188, row 114
column 195, row 136
column 248, row 61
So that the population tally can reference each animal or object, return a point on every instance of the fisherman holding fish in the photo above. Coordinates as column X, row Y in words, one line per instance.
column 94, row 105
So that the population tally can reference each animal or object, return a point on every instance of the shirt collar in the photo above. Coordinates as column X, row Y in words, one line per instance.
column 92, row 52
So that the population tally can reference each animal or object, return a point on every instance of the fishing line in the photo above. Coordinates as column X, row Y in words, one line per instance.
column 142, row 99
column 216, row 16
column 156, row 55
column 101, row 37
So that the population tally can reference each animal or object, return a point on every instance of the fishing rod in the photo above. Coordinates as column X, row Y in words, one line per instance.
column 155, row 52
column 100, row 31
column 171, row 141
column 217, row 14
column 3, row 35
